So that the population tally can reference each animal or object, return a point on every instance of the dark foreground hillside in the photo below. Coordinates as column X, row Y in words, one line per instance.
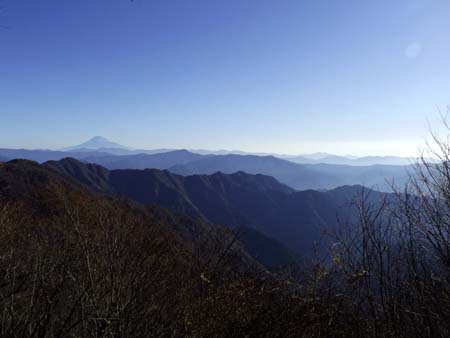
column 76, row 263
column 294, row 219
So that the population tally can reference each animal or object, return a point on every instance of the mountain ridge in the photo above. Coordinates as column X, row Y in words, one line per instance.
column 294, row 218
column 102, row 144
column 184, row 162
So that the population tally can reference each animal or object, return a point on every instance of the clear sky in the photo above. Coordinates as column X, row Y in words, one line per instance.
column 287, row 76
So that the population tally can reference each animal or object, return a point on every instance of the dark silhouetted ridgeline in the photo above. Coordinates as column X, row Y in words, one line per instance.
column 294, row 218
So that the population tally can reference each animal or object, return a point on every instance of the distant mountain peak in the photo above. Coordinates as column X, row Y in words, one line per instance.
column 99, row 139
column 97, row 142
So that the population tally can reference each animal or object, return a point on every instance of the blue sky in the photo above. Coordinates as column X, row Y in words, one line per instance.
column 287, row 76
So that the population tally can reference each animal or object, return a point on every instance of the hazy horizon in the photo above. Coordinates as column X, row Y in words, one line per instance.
column 249, row 151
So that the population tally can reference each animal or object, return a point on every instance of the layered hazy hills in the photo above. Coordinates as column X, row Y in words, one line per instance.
column 353, row 161
column 293, row 218
column 145, row 161
column 299, row 176
column 102, row 144
column 312, row 173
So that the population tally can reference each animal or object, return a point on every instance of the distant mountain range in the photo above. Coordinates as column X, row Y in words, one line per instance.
column 299, row 176
column 101, row 144
column 353, row 161
column 145, row 161
column 257, row 202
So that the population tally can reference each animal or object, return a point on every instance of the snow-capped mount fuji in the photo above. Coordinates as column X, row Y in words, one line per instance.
column 97, row 143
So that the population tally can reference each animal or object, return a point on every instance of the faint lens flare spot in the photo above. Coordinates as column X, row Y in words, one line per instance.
column 413, row 50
